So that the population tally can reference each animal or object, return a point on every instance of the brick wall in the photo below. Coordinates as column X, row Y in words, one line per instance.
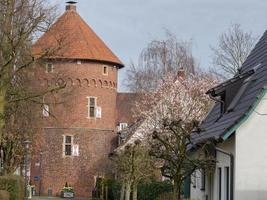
column 69, row 116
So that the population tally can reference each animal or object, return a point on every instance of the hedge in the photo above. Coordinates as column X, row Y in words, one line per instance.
column 14, row 185
column 146, row 190
column 152, row 190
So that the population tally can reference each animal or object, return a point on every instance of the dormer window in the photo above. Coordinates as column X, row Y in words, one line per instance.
column 229, row 92
column 105, row 70
column 49, row 68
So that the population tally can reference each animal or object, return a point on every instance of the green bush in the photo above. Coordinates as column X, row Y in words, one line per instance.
column 14, row 185
column 152, row 190
column 146, row 190
column 4, row 195
column 113, row 187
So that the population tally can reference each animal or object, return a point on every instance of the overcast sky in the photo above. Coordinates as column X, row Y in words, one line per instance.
column 127, row 26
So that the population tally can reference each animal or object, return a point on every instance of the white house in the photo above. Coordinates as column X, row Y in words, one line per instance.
column 237, row 124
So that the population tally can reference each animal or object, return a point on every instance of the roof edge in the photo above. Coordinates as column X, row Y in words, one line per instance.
column 246, row 115
column 213, row 91
column 119, row 65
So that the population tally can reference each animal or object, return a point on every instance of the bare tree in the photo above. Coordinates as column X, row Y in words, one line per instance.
column 158, row 59
column 20, row 21
column 133, row 165
column 233, row 48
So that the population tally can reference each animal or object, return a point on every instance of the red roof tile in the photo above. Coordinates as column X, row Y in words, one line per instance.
column 70, row 37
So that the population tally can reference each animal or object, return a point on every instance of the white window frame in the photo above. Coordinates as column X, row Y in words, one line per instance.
column 122, row 126
column 105, row 67
column 45, row 110
column 89, row 106
column 64, row 145
column 52, row 68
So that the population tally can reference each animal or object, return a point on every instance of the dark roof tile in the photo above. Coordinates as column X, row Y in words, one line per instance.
column 215, row 125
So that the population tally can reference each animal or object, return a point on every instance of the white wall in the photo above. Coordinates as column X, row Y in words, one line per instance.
column 195, row 190
column 251, row 156
column 223, row 160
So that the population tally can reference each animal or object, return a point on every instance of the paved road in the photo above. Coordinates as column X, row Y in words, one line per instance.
column 57, row 198
column 46, row 198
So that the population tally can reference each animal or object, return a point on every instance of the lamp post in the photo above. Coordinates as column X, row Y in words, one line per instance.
column 40, row 178
column 26, row 166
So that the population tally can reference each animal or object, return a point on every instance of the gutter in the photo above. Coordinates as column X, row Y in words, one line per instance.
column 231, row 171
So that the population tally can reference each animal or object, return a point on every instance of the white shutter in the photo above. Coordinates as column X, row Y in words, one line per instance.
column 98, row 112
column 46, row 110
column 75, row 150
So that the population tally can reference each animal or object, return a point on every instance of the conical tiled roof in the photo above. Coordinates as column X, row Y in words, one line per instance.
column 71, row 38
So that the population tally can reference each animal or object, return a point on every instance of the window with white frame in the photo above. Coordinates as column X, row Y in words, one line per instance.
column 46, row 110
column 194, row 179
column 202, row 181
column 49, row 68
column 219, row 174
column 91, row 107
column 122, row 126
column 227, row 183
column 67, row 145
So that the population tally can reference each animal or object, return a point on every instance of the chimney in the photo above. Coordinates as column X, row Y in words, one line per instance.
column 181, row 73
column 71, row 5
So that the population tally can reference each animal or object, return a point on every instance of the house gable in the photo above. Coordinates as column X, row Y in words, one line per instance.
column 251, row 159
column 220, row 125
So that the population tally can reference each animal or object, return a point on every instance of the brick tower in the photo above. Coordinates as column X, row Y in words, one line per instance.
column 78, row 132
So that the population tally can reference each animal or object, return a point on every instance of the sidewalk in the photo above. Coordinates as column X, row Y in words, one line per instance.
column 57, row 198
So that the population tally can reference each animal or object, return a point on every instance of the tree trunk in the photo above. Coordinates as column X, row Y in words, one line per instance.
column 128, row 191
column 135, row 192
column 122, row 191
column 177, row 190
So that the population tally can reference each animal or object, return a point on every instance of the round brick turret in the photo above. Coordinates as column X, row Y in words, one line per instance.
column 78, row 128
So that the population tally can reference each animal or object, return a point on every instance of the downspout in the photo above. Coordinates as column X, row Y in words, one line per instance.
column 231, row 171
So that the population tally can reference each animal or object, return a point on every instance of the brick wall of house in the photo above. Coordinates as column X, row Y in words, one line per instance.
column 96, row 137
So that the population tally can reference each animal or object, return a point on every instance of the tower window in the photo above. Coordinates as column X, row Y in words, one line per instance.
column 45, row 110
column 91, row 107
column 122, row 126
column 105, row 70
column 67, row 145
column 49, row 68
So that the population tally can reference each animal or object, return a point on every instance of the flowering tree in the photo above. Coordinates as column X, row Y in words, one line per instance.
column 170, row 116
